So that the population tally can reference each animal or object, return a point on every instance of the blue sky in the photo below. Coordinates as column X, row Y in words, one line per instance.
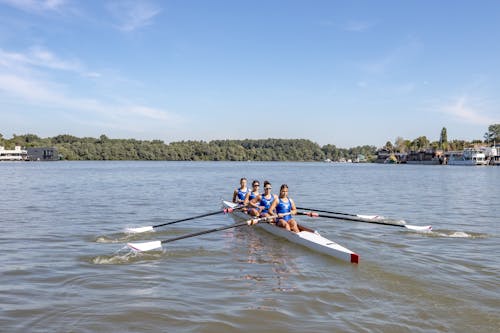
column 341, row 72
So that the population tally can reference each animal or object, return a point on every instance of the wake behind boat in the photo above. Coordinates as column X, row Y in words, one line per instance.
column 306, row 237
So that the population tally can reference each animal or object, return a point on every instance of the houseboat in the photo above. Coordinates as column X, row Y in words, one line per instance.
column 468, row 156
column 493, row 154
column 17, row 154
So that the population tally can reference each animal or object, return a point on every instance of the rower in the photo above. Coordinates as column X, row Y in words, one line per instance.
column 251, row 195
column 285, row 208
column 241, row 192
column 264, row 201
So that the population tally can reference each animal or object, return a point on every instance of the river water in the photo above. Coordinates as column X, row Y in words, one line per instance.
column 64, row 267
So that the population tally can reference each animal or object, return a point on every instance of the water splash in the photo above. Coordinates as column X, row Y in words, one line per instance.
column 125, row 255
column 107, row 239
column 457, row 234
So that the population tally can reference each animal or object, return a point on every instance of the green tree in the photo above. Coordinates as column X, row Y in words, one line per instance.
column 493, row 133
column 420, row 143
column 400, row 144
column 443, row 139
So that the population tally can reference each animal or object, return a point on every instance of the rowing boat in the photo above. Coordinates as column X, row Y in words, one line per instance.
column 306, row 237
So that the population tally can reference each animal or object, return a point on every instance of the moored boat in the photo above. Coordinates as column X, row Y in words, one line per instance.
column 306, row 237
column 468, row 156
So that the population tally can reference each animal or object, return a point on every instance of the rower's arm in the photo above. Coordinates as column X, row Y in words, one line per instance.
column 247, row 199
column 272, row 208
column 254, row 201
column 235, row 194
column 294, row 208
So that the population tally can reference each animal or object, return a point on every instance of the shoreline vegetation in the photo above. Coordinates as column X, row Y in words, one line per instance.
column 272, row 149
column 103, row 148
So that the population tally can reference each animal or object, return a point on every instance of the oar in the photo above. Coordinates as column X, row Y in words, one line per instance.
column 150, row 228
column 395, row 224
column 147, row 246
column 373, row 217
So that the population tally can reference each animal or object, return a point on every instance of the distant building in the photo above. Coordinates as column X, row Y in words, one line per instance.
column 360, row 159
column 428, row 156
column 43, row 154
column 385, row 156
column 17, row 154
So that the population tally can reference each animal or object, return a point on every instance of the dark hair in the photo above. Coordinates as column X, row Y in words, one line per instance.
column 255, row 181
column 242, row 179
column 283, row 186
column 266, row 182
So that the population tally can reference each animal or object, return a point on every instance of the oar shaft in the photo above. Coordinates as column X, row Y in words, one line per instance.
column 325, row 211
column 313, row 214
column 188, row 219
column 236, row 225
column 147, row 246
column 193, row 217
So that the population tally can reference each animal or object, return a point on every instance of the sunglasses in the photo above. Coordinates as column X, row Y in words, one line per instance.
column 267, row 188
column 256, row 184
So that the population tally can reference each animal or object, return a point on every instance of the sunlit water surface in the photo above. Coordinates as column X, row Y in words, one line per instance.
column 65, row 267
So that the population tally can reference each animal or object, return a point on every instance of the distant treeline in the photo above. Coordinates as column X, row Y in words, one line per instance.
column 104, row 148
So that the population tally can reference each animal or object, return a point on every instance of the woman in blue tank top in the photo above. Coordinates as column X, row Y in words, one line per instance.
column 285, row 208
column 240, row 193
column 264, row 201
column 254, row 193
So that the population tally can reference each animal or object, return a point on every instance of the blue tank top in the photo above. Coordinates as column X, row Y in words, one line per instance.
column 242, row 194
column 252, row 196
column 284, row 207
column 266, row 203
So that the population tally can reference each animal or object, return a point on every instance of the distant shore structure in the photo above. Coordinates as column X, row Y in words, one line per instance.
column 16, row 154
column 468, row 156
column 43, row 154
column 29, row 154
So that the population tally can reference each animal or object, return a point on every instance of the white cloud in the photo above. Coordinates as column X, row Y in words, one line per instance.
column 27, row 89
column 148, row 112
column 26, row 78
column 400, row 56
column 463, row 110
column 357, row 26
column 92, row 74
column 132, row 15
column 36, row 6
column 44, row 93
column 41, row 58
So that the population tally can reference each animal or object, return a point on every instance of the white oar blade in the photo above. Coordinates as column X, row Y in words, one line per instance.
column 139, row 230
column 148, row 246
column 418, row 227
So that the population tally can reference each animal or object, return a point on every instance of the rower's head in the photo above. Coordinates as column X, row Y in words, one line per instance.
column 243, row 182
column 267, row 186
column 283, row 190
column 255, row 185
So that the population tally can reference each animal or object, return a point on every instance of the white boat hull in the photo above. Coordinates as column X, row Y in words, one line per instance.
column 306, row 237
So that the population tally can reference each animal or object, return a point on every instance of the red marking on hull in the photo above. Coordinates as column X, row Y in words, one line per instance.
column 354, row 258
